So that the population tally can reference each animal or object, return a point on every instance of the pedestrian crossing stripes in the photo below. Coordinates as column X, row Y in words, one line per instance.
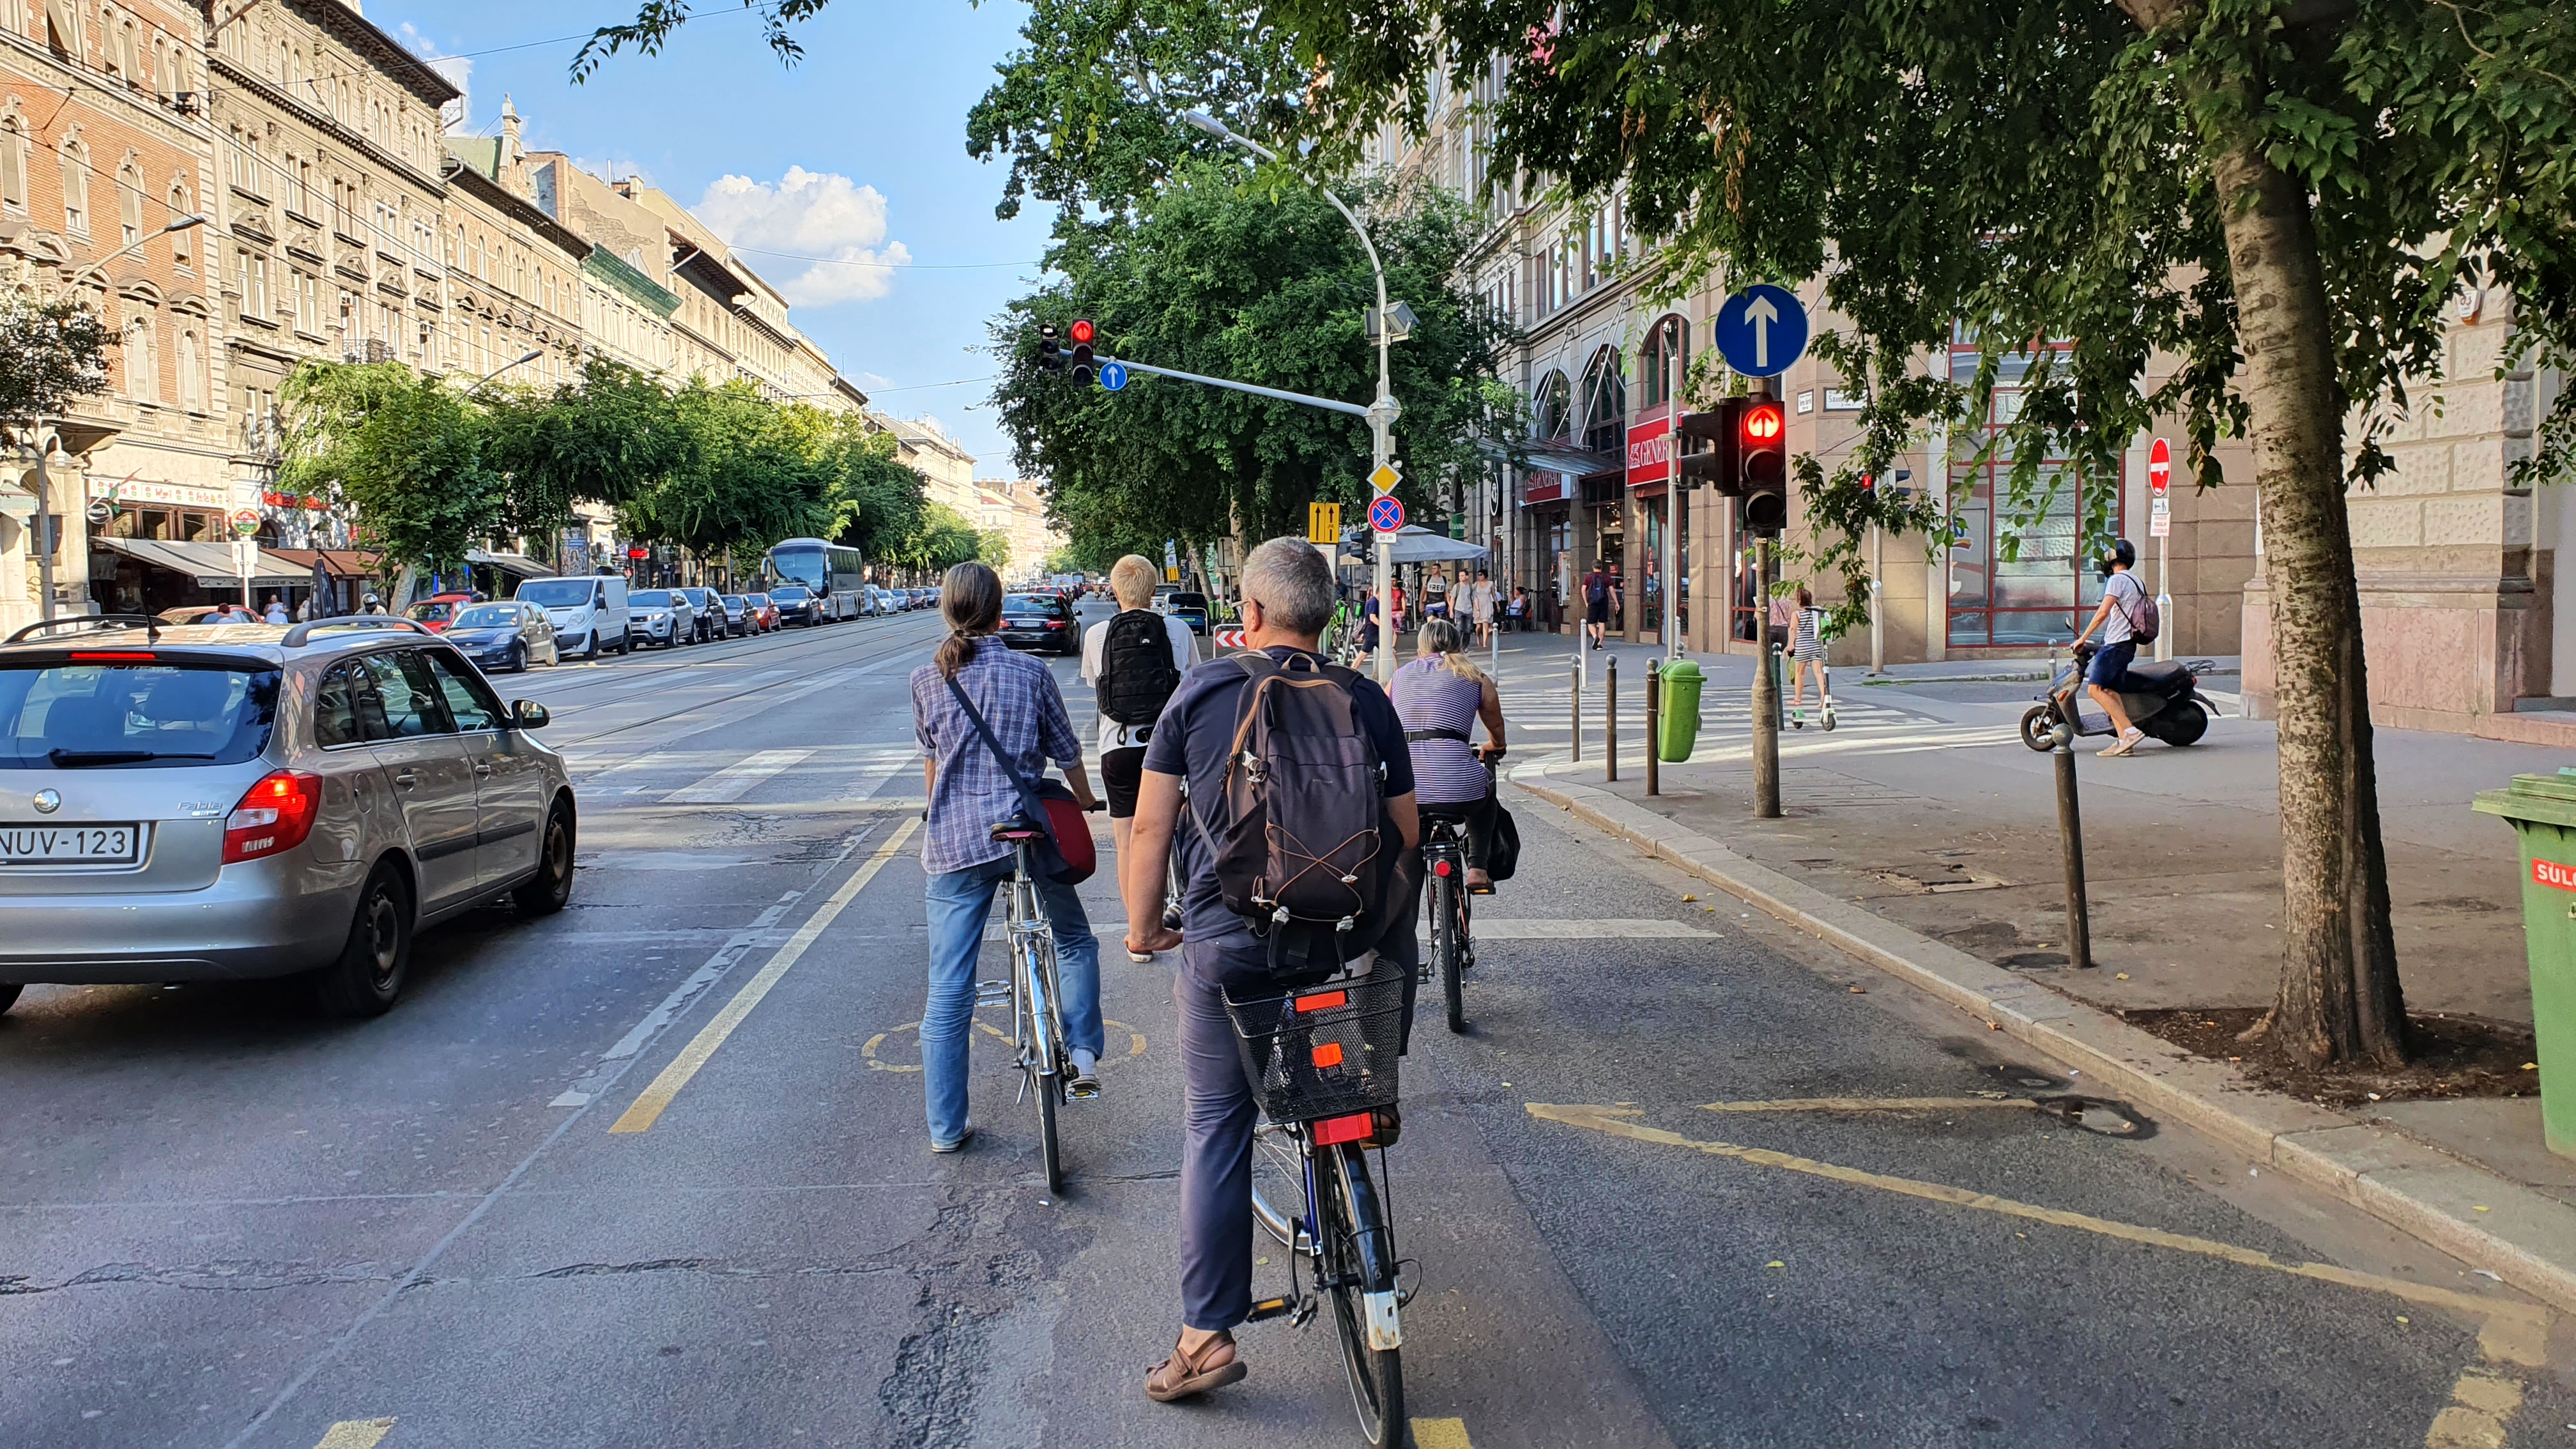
column 735, row 781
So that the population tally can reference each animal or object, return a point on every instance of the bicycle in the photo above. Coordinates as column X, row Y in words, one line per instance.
column 1322, row 1060
column 1037, row 1012
column 1444, row 864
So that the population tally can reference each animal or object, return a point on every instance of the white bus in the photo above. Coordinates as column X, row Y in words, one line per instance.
column 832, row 572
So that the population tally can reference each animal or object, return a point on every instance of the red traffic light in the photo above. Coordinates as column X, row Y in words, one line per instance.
column 1763, row 422
column 1081, row 332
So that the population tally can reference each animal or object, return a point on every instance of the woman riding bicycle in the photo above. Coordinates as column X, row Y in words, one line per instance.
column 969, row 795
column 1440, row 695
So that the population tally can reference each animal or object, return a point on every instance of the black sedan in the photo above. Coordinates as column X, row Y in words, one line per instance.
column 508, row 635
column 795, row 606
column 1039, row 621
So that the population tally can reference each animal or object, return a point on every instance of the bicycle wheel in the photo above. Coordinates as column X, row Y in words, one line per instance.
column 1359, row 1267
column 1038, row 1059
column 1279, row 1186
column 1445, row 944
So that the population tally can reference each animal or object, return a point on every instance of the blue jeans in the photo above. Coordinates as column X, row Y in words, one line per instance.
column 958, row 902
column 2110, row 665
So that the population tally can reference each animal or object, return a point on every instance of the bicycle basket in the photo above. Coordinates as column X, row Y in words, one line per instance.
column 1326, row 1050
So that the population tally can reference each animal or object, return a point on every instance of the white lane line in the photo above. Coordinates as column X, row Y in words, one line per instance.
column 735, row 781
column 1488, row 928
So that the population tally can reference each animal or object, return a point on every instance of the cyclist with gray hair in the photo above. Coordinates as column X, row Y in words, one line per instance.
column 1287, row 599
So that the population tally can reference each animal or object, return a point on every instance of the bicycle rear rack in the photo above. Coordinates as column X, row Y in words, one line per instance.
column 992, row 993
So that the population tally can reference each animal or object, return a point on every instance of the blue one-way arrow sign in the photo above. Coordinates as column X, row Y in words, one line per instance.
column 1761, row 330
column 1113, row 375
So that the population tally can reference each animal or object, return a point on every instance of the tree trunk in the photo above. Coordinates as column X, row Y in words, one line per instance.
column 2339, row 999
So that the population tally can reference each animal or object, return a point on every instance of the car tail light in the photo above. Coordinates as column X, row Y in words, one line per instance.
column 275, row 814
column 1055, row 623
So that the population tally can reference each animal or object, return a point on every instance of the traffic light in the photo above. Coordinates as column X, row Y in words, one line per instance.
column 1762, row 464
column 1050, row 356
column 1082, row 332
column 1716, row 465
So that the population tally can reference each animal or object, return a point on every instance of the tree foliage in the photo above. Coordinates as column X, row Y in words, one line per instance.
column 406, row 450
column 1222, row 275
column 52, row 355
column 602, row 436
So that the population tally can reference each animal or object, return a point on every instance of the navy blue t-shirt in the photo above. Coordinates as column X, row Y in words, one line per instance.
column 1193, row 739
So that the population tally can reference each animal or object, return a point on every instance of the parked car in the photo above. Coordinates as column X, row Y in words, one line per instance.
column 509, row 635
column 1188, row 606
column 433, row 612
column 705, row 613
column 661, row 616
column 208, row 804
column 1039, row 621
column 736, row 616
column 796, row 605
column 925, row 598
column 588, row 612
column 764, row 612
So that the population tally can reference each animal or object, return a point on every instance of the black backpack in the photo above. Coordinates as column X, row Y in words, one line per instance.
column 1137, row 675
column 1596, row 589
column 1297, row 849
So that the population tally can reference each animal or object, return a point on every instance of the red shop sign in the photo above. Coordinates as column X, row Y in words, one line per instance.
column 1544, row 488
column 2551, row 873
column 1650, row 450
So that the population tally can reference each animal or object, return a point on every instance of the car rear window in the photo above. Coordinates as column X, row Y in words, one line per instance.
column 133, row 713
column 649, row 599
column 485, row 616
column 1188, row 601
column 1028, row 604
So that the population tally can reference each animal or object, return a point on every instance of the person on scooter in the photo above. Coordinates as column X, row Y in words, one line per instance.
column 2122, row 599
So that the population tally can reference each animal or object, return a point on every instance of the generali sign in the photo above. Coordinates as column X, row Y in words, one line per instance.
column 1650, row 451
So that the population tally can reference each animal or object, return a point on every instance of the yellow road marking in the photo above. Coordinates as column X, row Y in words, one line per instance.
column 1869, row 1104
column 868, row 1051
column 648, row 1108
column 2482, row 1403
column 1440, row 1434
column 356, row 1434
column 2513, row 1332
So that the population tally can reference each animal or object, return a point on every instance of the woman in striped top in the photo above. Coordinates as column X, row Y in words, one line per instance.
column 1440, row 695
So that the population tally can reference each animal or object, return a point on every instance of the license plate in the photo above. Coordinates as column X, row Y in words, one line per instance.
column 1027, row 623
column 69, row 844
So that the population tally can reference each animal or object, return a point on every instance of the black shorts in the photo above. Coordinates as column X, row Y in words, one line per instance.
column 1597, row 613
column 1122, row 772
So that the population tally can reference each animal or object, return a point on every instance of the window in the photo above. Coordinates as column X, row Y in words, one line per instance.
column 240, row 166
column 13, row 163
column 75, row 188
column 142, row 364
column 403, row 701
column 470, row 702
column 120, row 61
column 335, row 707
column 1665, row 358
column 192, row 393
column 179, row 251
column 129, row 200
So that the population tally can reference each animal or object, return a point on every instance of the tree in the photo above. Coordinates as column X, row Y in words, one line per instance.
column 2279, row 195
column 1220, row 274
column 601, row 437
column 52, row 354
column 749, row 473
column 407, row 451
column 878, row 499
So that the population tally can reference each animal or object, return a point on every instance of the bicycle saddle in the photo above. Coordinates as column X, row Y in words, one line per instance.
column 1018, row 827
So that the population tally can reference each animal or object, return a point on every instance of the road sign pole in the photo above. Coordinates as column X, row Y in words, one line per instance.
column 1766, row 693
column 44, row 533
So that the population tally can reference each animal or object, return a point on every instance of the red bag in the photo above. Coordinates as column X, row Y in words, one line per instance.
column 1066, row 856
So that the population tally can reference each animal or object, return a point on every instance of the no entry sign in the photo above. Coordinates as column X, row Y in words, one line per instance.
column 2159, row 480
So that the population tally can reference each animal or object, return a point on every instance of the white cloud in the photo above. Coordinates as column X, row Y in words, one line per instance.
column 458, row 69
column 870, row 380
column 810, row 214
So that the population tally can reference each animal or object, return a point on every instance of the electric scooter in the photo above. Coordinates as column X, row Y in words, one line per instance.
column 1824, row 698
column 2162, row 697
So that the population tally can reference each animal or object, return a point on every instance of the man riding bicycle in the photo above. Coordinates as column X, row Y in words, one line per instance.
column 1287, row 598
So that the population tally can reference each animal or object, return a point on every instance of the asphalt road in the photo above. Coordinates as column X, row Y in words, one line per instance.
column 226, row 1223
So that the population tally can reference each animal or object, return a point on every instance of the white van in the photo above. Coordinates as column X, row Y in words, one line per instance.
column 589, row 612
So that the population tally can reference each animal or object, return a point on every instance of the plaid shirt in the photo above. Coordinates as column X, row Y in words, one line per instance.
column 1025, row 711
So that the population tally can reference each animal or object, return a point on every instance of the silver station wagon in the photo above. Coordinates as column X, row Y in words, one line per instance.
column 232, row 802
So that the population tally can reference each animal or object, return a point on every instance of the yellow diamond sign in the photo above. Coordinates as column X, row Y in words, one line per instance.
column 1385, row 478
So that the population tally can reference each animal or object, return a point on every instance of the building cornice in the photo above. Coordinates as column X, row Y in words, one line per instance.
column 518, row 208
column 357, row 32
column 324, row 122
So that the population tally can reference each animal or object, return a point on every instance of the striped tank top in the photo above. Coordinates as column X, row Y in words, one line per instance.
column 1429, row 697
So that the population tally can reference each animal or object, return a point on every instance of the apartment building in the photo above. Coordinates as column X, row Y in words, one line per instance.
column 627, row 304
column 514, row 272
column 949, row 468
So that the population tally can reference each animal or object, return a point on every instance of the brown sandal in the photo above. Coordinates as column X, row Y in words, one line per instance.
column 1183, row 1374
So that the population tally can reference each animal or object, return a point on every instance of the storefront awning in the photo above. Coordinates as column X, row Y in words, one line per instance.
column 340, row 563
column 210, row 564
column 516, row 564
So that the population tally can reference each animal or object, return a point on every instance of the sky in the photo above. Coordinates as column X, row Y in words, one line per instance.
column 857, row 153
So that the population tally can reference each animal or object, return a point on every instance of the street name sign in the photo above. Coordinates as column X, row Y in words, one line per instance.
column 1761, row 330
column 1113, row 375
column 1386, row 515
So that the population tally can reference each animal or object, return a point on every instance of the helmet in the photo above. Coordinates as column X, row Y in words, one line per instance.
column 2123, row 553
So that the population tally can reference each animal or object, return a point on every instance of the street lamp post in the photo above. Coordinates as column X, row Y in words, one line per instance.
column 1381, row 413
column 531, row 356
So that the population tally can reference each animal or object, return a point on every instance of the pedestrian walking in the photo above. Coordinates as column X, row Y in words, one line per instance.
column 2121, row 616
column 276, row 613
column 1480, row 607
column 1435, row 595
column 1133, row 662
column 970, row 792
column 1600, row 593
column 1807, row 650
column 1287, row 596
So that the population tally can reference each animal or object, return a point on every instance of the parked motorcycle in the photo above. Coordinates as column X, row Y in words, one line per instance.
column 2162, row 697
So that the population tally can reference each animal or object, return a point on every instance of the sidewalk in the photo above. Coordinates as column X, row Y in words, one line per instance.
column 1922, row 837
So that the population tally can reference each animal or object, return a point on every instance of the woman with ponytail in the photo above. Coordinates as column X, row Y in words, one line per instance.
column 969, row 794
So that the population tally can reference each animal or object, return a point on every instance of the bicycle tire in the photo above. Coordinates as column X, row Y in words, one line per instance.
column 1445, row 947
column 1359, row 1259
column 1038, row 1061
column 1050, row 1152
column 1279, row 1186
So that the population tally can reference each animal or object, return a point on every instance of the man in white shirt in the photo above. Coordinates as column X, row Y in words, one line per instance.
column 2123, row 598
column 1122, row 740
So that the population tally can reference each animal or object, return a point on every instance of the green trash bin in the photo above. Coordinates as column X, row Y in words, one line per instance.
column 2542, row 809
column 1680, row 705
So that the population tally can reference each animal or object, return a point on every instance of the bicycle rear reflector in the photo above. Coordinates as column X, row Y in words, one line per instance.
column 1328, row 1055
column 1323, row 1001
column 1344, row 1129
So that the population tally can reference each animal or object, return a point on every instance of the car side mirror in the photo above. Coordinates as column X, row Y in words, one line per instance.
column 527, row 714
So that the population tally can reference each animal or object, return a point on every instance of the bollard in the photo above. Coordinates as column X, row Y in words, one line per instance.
column 1654, row 726
column 1575, row 678
column 1610, row 721
column 2070, row 825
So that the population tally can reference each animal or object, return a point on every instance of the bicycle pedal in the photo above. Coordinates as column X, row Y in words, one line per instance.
column 1269, row 1308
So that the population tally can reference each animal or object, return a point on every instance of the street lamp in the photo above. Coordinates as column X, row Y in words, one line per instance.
column 505, row 367
column 1381, row 413
column 182, row 224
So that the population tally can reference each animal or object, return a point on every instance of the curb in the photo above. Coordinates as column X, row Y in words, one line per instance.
column 2525, row 1237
